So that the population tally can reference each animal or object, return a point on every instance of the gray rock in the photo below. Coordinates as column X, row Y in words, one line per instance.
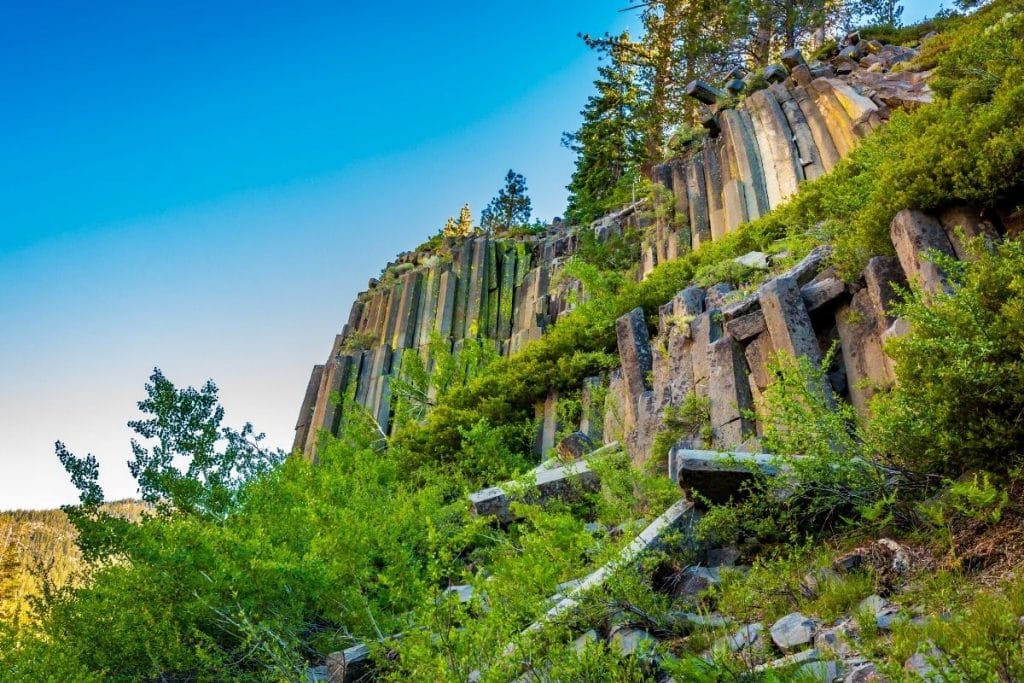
column 747, row 637
column 804, row 657
column 835, row 639
column 851, row 52
column 823, row 292
column 913, row 235
column 924, row 664
column 689, row 621
column 792, row 58
column 464, row 593
column 718, row 476
column 775, row 73
column 722, row 557
column 965, row 220
column 703, row 92
column 744, row 327
column 714, row 297
column 587, row 638
column 696, row 580
column 629, row 641
column 491, row 502
column 315, row 674
column 793, row 631
column 864, row 672
column 753, row 259
column 874, row 604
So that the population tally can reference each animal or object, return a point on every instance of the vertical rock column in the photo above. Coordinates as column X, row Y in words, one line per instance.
column 637, row 362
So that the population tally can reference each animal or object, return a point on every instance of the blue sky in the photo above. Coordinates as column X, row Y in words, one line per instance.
column 204, row 187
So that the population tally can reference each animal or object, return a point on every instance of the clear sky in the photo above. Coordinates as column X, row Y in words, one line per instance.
column 205, row 186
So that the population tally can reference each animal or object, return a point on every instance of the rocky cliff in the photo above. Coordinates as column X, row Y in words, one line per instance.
column 757, row 153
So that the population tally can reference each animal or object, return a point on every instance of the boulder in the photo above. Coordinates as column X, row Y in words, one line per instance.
column 792, row 59
column 820, row 293
column 491, row 502
column 775, row 73
column 632, row 641
column 966, row 221
column 753, row 259
column 704, row 92
column 793, row 631
column 718, row 476
column 744, row 327
column 694, row 581
column 864, row 672
column 747, row 637
column 575, row 446
column 925, row 665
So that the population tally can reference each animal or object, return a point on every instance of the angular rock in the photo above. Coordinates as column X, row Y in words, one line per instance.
column 632, row 641
column 635, row 353
column 793, row 631
column 864, row 672
column 883, row 277
column 695, row 580
column 924, row 665
column 804, row 657
column 914, row 234
column 818, row 294
column 747, row 637
column 491, row 502
column 792, row 58
column 744, row 327
column 718, row 476
column 584, row 640
column 704, row 92
column 575, row 446
column 967, row 221
column 835, row 640
column 729, row 392
column 786, row 318
column 753, row 259
column 775, row 73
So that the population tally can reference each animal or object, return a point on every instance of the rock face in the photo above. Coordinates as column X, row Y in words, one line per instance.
column 714, row 346
column 797, row 129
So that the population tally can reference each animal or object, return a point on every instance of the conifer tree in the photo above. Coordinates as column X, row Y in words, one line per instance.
column 510, row 209
column 465, row 221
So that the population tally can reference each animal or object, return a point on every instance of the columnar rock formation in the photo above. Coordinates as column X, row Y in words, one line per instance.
column 499, row 289
column 758, row 152
column 503, row 289
column 719, row 344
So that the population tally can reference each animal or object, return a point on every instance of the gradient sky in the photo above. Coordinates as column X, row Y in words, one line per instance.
column 204, row 187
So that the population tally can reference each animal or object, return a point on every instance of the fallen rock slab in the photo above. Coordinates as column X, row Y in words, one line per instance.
column 717, row 476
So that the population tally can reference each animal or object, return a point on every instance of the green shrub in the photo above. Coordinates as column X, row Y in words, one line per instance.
column 960, row 392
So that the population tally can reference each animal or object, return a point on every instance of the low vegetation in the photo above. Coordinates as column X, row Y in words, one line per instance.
column 247, row 566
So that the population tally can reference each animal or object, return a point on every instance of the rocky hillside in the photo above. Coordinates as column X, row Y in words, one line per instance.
column 761, row 423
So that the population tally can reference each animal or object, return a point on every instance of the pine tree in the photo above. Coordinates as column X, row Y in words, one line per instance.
column 510, row 209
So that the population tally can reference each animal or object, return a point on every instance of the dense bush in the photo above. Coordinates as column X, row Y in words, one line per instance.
column 959, row 403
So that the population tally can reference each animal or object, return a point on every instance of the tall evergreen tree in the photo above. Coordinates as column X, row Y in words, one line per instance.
column 510, row 209
column 608, row 145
